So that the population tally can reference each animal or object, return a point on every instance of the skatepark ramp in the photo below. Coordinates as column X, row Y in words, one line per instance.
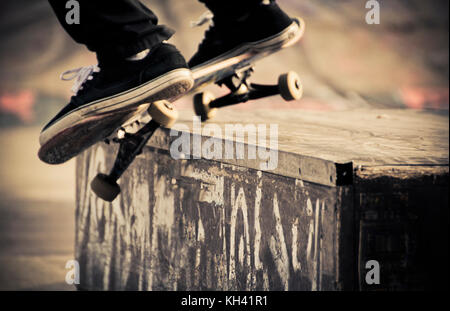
column 348, row 200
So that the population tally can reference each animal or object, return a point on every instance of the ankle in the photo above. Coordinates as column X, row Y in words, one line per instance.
column 234, row 10
column 108, row 59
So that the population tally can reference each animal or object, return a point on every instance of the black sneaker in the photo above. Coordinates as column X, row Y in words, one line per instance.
column 262, row 24
column 162, row 74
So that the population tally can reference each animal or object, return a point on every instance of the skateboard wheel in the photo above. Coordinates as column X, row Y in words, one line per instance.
column 202, row 107
column 290, row 86
column 105, row 188
column 163, row 113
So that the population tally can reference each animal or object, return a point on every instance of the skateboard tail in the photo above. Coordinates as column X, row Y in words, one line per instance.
column 76, row 139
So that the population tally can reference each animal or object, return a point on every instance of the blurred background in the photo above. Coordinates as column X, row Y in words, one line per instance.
column 344, row 63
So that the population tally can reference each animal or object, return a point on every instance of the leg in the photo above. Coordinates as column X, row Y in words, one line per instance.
column 116, row 30
column 113, row 28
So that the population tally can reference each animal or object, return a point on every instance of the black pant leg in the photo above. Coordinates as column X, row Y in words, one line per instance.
column 113, row 28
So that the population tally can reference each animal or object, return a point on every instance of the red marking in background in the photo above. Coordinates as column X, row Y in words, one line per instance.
column 20, row 104
column 426, row 98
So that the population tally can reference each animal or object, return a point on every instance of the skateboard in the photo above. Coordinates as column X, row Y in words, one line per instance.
column 118, row 126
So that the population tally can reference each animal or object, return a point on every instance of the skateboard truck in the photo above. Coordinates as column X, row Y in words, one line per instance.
column 241, row 90
column 105, row 186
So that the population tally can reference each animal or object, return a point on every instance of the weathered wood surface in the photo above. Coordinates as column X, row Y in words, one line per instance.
column 403, row 224
column 204, row 225
column 365, row 137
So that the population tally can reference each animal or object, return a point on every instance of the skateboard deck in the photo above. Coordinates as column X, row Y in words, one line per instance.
column 99, row 127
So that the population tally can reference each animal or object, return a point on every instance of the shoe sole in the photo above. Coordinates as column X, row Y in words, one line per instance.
column 288, row 37
column 167, row 86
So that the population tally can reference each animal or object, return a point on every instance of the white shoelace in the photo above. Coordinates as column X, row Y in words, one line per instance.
column 206, row 17
column 81, row 74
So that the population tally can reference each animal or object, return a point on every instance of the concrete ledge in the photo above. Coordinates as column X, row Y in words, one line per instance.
column 197, row 224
